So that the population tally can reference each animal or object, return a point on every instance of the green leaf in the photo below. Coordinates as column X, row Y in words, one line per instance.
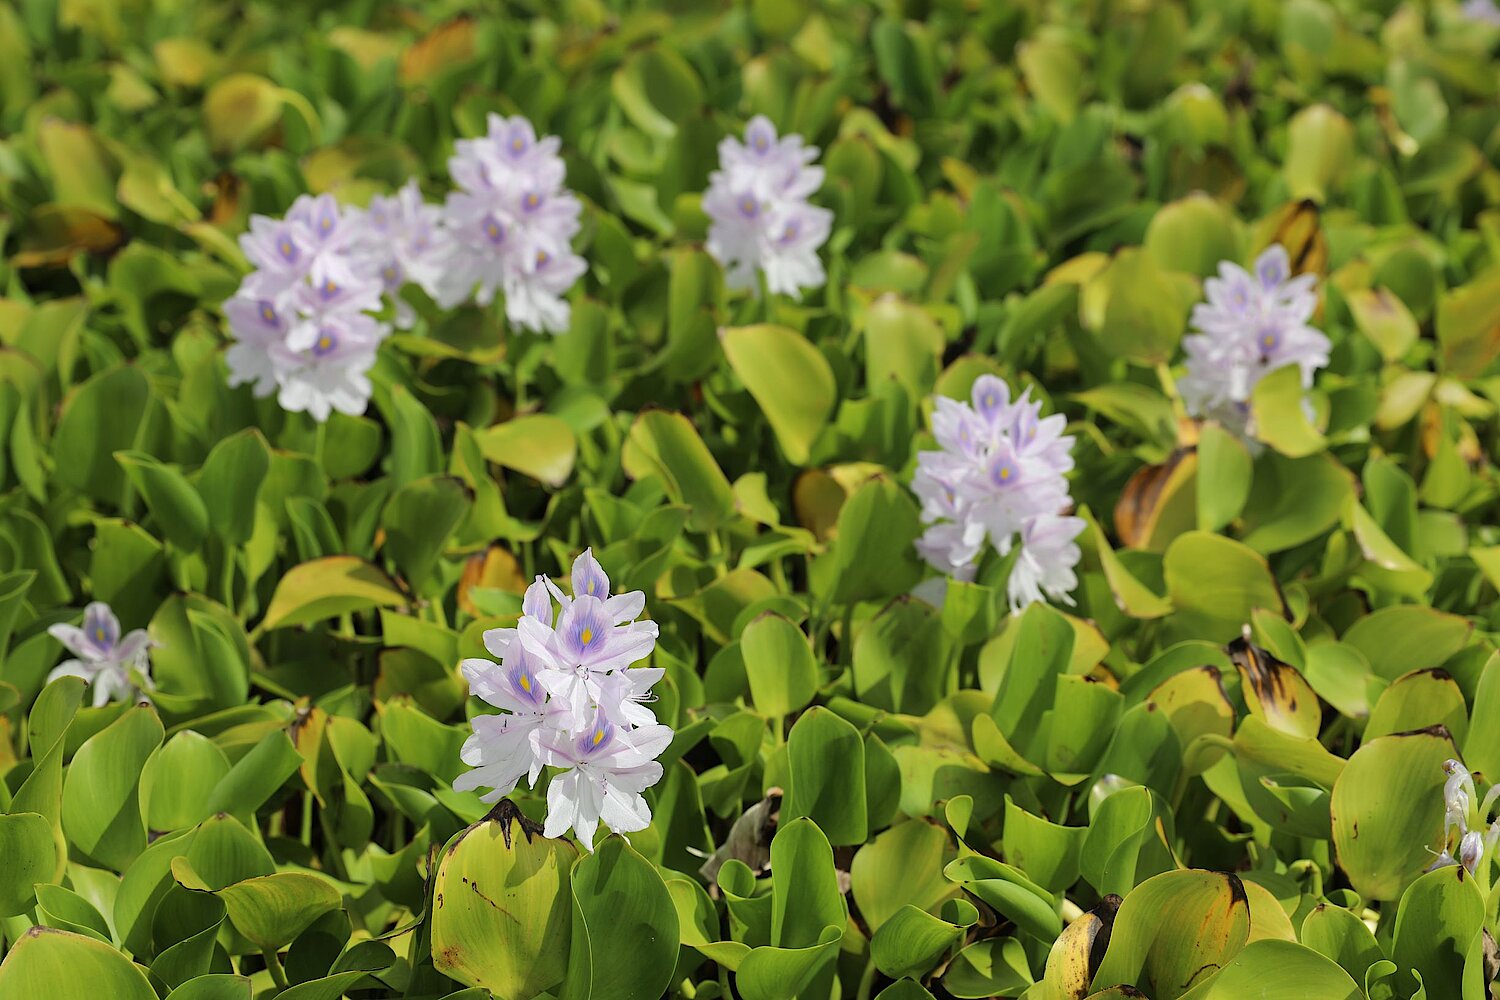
column 805, row 893
column 898, row 653
column 419, row 520
column 1215, row 583
column 50, row 963
column 230, row 482
column 270, row 910
column 101, row 417
column 624, row 944
column 1173, row 929
column 501, row 907
column 178, row 781
column 779, row 665
column 1418, row 700
column 789, row 378
column 666, row 445
column 1388, row 810
column 1407, row 637
column 1224, row 477
column 239, row 110
column 902, row 866
column 656, row 88
column 1320, row 146
column 1193, row 235
column 1010, row 893
column 872, row 556
column 538, row 445
column 30, row 857
column 101, row 812
column 323, row 588
column 1337, row 934
column 1438, row 926
column 904, row 343
column 1047, row 852
column 1146, row 311
column 178, row 511
column 1468, row 325
column 912, row 943
column 214, row 987
column 1280, row 419
column 1278, row 970
column 1385, row 320
column 826, row 765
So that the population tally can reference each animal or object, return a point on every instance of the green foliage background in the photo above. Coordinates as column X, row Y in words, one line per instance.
column 892, row 799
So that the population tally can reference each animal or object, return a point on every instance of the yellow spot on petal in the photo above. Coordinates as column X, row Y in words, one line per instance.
column 525, row 683
column 586, row 636
column 598, row 736
column 99, row 633
column 1005, row 473
column 325, row 343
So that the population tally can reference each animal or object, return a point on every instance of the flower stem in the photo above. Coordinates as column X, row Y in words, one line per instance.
column 273, row 965
column 1169, row 388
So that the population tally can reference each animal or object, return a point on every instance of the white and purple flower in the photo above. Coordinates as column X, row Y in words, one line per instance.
column 762, row 221
column 115, row 666
column 511, row 225
column 1250, row 325
column 1459, row 814
column 1482, row 11
column 999, row 478
column 572, row 701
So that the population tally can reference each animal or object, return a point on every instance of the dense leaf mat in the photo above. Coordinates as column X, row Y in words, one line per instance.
column 1230, row 768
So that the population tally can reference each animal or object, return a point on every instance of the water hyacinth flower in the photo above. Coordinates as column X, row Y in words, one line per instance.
column 1459, row 814
column 401, row 240
column 572, row 701
column 999, row 478
column 302, row 319
column 511, row 224
column 762, row 221
column 105, row 658
column 1482, row 11
column 1250, row 325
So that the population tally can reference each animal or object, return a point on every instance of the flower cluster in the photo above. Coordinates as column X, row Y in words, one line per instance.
column 303, row 318
column 1459, row 815
column 572, row 701
column 1482, row 11
column 105, row 660
column 1000, row 477
column 1251, row 325
column 511, row 225
column 761, row 219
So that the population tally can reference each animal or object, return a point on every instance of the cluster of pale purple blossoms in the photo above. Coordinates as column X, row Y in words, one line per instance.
column 306, row 319
column 762, row 222
column 999, row 479
column 115, row 666
column 1459, row 815
column 572, row 701
column 1483, row 11
column 1251, row 325
column 510, row 226
column 302, row 319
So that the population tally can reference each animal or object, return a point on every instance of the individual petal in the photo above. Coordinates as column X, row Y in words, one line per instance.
column 537, row 602
column 588, row 577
